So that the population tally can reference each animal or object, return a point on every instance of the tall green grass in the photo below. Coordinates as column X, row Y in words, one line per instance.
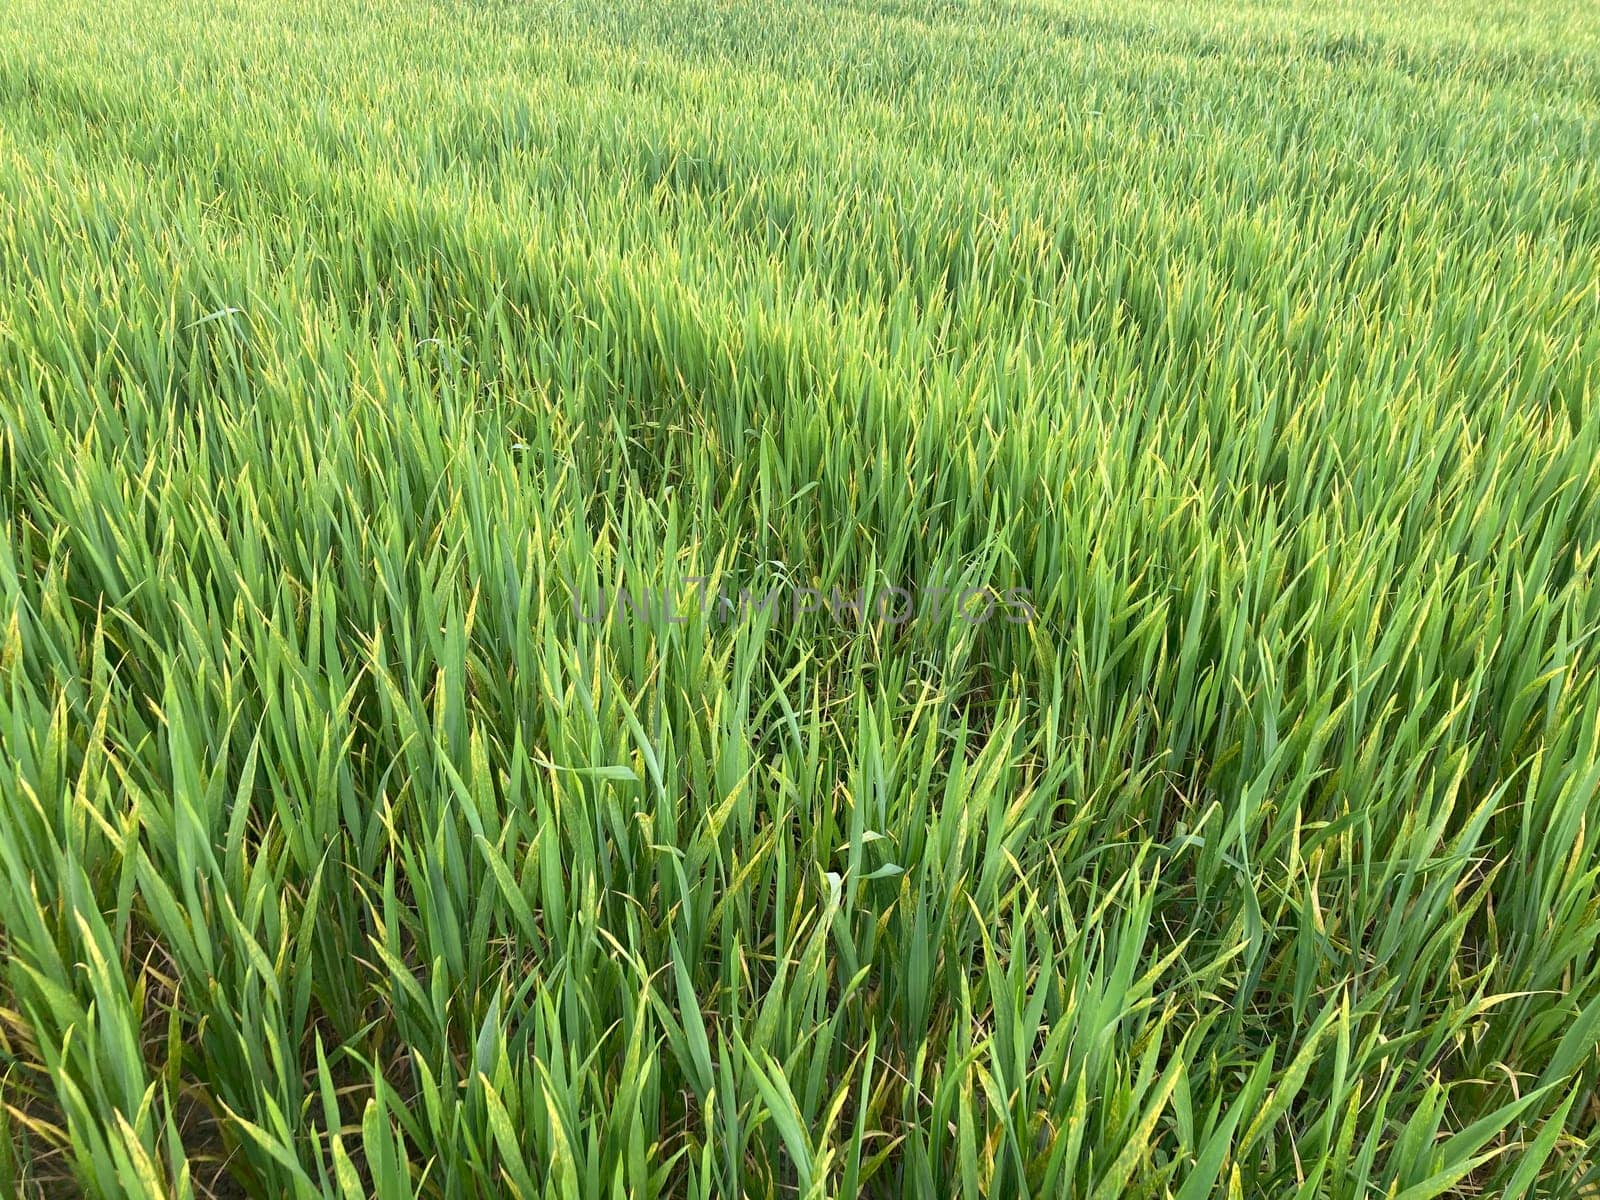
column 348, row 351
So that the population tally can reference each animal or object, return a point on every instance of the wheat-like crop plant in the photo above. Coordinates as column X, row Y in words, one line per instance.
column 822, row 598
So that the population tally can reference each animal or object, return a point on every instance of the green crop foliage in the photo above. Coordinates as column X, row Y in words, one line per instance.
column 352, row 354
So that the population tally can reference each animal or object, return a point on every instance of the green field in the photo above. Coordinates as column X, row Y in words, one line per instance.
column 925, row 598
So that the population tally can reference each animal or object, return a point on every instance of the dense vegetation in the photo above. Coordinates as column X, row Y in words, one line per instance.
column 354, row 356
